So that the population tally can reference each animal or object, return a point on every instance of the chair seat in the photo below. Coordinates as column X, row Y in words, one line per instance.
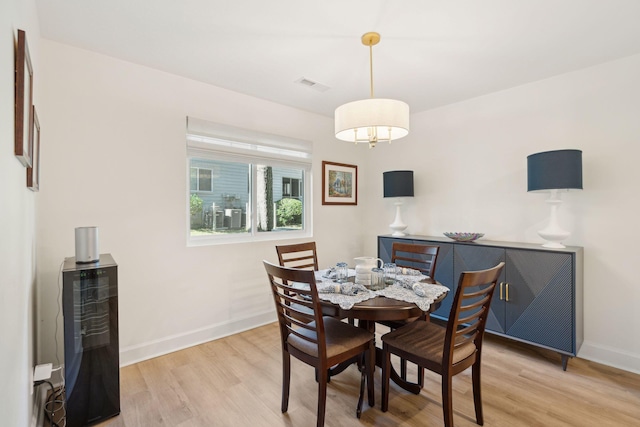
column 395, row 324
column 426, row 341
column 340, row 338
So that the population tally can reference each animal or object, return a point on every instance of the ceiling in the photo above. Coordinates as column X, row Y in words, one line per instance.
column 432, row 52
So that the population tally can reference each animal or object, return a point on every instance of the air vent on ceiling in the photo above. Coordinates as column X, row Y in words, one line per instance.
column 314, row 85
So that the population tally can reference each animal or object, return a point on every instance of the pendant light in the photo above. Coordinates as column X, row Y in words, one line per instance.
column 372, row 120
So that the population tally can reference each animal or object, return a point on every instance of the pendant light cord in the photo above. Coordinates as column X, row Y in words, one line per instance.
column 371, row 67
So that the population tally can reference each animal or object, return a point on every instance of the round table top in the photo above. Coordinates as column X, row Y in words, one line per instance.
column 381, row 308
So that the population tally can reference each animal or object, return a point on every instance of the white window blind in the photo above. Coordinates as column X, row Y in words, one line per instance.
column 204, row 137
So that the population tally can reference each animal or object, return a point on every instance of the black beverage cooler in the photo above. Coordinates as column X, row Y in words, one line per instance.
column 90, row 309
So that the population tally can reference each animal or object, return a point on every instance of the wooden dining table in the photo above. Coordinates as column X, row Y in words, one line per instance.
column 382, row 309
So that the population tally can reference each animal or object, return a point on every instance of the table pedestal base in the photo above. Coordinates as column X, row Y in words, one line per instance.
column 408, row 386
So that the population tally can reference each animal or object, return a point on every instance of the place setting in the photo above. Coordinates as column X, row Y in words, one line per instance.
column 406, row 284
column 333, row 285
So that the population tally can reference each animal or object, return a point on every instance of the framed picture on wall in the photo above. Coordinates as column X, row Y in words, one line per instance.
column 24, row 101
column 33, row 172
column 339, row 184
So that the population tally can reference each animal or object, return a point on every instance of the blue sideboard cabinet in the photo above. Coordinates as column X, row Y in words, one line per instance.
column 538, row 299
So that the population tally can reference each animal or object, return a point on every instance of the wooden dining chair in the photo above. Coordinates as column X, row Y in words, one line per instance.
column 417, row 257
column 317, row 340
column 447, row 350
column 298, row 255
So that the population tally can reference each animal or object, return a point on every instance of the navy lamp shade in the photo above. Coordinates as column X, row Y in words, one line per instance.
column 554, row 171
column 398, row 184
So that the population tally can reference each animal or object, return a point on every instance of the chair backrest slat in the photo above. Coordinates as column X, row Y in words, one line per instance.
column 299, row 319
column 297, row 333
column 298, row 255
column 468, row 319
column 467, row 330
column 291, row 297
column 419, row 257
column 470, row 309
column 476, row 303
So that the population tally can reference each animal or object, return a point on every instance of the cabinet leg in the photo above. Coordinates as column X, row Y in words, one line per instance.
column 565, row 360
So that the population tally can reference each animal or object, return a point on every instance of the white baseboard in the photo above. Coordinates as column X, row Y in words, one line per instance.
column 149, row 350
column 610, row 356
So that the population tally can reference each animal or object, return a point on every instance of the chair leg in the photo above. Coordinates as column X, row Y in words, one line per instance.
column 322, row 396
column 403, row 373
column 328, row 375
column 386, row 371
column 421, row 376
column 403, row 369
column 447, row 404
column 477, row 393
column 370, row 365
column 363, row 373
column 286, row 380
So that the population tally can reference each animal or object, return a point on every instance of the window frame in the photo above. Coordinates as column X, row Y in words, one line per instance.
column 206, row 140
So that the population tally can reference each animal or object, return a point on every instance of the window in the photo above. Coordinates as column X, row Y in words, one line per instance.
column 291, row 187
column 200, row 179
column 234, row 193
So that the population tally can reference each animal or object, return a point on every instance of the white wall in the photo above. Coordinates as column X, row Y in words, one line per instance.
column 115, row 137
column 115, row 157
column 469, row 162
column 17, row 226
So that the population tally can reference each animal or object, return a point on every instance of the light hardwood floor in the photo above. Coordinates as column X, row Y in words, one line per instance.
column 236, row 381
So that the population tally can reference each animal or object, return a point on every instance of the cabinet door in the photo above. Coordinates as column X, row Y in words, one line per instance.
column 472, row 258
column 540, row 307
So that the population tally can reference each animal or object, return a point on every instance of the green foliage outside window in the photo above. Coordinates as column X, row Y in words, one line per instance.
column 195, row 205
column 289, row 212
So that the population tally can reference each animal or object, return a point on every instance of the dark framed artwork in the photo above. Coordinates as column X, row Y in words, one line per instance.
column 33, row 172
column 339, row 184
column 24, row 101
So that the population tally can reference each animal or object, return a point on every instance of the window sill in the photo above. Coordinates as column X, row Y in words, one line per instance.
column 195, row 241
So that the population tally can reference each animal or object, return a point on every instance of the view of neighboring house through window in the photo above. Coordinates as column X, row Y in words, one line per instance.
column 245, row 185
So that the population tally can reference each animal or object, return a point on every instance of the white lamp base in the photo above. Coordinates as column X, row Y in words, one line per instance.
column 553, row 233
column 398, row 226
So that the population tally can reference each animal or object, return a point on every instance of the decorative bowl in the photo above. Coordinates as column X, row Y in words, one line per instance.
column 463, row 237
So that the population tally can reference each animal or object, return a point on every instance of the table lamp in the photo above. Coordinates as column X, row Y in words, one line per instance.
column 553, row 171
column 398, row 184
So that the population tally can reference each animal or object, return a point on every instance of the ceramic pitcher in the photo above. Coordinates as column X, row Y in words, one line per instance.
column 364, row 264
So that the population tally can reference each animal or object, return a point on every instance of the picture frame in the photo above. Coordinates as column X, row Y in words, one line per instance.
column 23, row 102
column 339, row 184
column 33, row 172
